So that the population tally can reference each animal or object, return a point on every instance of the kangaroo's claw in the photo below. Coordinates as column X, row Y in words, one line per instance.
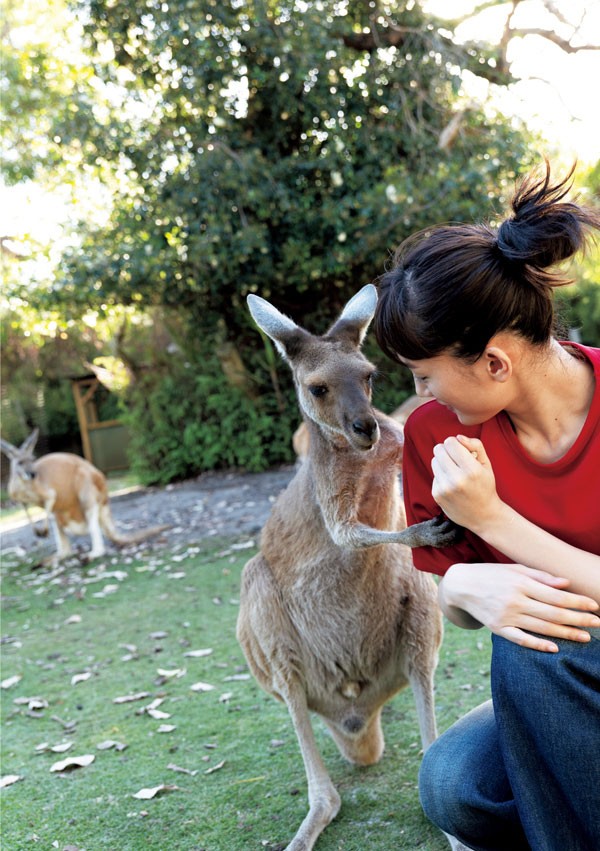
column 445, row 532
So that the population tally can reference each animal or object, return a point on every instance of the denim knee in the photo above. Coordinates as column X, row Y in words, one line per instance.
column 464, row 789
column 548, row 720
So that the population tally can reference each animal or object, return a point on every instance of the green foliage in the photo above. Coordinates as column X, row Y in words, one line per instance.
column 38, row 360
column 579, row 310
column 187, row 419
column 268, row 147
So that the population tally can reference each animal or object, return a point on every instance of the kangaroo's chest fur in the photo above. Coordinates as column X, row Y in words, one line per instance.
column 346, row 608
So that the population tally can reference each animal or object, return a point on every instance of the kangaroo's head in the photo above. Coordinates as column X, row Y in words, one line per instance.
column 332, row 376
column 22, row 467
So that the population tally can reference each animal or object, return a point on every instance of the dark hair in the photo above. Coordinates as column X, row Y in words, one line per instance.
column 453, row 287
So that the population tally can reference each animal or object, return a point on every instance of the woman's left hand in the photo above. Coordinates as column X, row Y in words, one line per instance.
column 464, row 485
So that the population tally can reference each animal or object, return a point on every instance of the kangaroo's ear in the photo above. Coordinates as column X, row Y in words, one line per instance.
column 28, row 445
column 356, row 317
column 287, row 336
column 9, row 450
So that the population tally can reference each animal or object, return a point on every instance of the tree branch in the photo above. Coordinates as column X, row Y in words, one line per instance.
column 556, row 39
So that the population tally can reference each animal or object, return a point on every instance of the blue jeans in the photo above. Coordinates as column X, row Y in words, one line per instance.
column 522, row 771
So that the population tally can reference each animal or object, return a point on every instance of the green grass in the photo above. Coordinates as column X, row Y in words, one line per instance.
column 257, row 799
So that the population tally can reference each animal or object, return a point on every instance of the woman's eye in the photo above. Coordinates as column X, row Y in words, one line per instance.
column 317, row 390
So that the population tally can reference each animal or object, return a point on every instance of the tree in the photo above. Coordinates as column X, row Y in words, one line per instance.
column 276, row 146
column 280, row 148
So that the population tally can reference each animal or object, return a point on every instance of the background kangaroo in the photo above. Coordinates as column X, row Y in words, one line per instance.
column 330, row 620
column 72, row 492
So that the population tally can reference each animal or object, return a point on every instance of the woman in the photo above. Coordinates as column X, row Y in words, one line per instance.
column 509, row 449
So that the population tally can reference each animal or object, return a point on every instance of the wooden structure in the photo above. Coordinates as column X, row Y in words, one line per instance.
column 104, row 440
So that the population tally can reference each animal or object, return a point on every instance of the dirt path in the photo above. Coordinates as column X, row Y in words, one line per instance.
column 219, row 505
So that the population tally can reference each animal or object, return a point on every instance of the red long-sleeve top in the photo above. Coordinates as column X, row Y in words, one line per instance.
column 562, row 497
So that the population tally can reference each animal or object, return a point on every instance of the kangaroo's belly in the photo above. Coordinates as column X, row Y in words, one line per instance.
column 71, row 521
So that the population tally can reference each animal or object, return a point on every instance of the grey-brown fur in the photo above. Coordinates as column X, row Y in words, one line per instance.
column 334, row 619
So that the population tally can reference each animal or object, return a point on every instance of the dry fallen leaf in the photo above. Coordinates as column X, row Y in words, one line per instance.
column 215, row 767
column 199, row 653
column 80, row 678
column 158, row 714
column 73, row 619
column 108, row 589
column 147, row 794
column 109, row 743
column 128, row 698
column 34, row 704
column 166, row 728
column 236, row 678
column 172, row 767
column 9, row 779
column 61, row 748
column 173, row 672
column 73, row 762
column 201, row 687
column 9, row 682
column 225, row 697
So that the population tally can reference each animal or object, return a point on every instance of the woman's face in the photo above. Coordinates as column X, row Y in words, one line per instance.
column 471, row 390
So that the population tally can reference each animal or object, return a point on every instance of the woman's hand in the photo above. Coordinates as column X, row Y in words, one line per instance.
column 515, row 601
column 463, row 483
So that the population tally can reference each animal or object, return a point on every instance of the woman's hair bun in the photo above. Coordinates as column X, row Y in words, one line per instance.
column 544, row 229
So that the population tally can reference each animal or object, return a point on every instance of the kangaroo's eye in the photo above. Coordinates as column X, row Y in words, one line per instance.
column 317, row 390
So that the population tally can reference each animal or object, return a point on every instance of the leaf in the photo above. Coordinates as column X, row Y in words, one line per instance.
column 166, row 728
column 199, row 653
column 73, row 619
column 201, row 687
column 236, row 678
column 73, row 762
column 174, row 672
column 61, row 748
column 34, row 704
column 215, row 767
column 225, row 697
column 172, row 767
column 158, row 714
column 80, row 678
column 9, row 779
column 110, row 743
column 147, row 794
column 108, row 589
column 129, row 698
column 9, row 682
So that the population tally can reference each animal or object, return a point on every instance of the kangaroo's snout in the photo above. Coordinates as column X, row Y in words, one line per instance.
column 366, row 427
column 365, row 431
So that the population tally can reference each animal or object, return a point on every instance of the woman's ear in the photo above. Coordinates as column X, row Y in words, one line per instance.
column 498, row 363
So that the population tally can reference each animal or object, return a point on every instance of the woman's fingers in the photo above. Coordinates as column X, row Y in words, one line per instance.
column 524, row 639
column 525, row 605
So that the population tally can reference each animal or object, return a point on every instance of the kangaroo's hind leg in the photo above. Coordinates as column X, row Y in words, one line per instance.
column 323, row 799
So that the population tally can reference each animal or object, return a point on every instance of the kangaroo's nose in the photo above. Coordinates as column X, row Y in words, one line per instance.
column 366, row 426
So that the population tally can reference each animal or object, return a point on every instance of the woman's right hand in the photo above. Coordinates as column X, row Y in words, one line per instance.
column 515, row 601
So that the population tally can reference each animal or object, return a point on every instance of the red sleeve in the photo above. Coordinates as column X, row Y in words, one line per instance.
column 427, row 426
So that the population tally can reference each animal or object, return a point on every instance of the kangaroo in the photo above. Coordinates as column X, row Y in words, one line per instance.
column 400, row 414
column 334, row 618
column 73, row 493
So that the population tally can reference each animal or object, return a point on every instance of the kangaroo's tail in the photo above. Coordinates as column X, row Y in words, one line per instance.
column 122, row 539
column 136, row 537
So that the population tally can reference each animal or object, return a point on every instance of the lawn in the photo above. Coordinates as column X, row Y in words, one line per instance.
column 227, row 757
